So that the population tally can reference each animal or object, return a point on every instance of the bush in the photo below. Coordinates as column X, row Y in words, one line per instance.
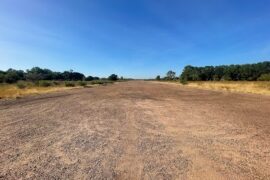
column 183, row 81
column 2, row 78
column 44, row 83
column 69, row 84
column 21, row 85
column 158, row 78
column 82, row 83
column 56, row 83
column 97, row 82
column 264, row 77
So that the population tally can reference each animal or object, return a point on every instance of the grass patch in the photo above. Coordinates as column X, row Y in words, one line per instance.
column 23, row 88
column 101, row 82
column 56, row 83
column 82, row 83
column 70, row 84
column 183, row 81
column 13, row 91
column 21, row 85
column 45, row 83
column 255, row 87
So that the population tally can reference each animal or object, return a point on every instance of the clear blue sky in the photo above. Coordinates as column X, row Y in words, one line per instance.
column 133, row 38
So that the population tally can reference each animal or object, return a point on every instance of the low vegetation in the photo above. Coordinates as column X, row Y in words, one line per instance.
column 255, row 87
column 101, row 82
column 82, row 83
column 247, row 78
column 22, row 88
column 264, row 77
column 21, row 85
column 70, row 84
column 16, row 83
column 45, row 83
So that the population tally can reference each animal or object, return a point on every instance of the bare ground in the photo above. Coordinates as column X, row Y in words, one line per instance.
column 136, row 130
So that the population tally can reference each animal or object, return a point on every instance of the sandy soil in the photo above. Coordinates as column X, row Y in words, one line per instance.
column 136, row 130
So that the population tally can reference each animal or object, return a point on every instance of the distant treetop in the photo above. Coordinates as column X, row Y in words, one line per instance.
column 37, row 74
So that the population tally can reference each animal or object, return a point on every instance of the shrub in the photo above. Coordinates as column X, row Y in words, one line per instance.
column 264, row 77
column 158, row 78
column 183, row 81
column 44, row 83
column 21, row 85
column 69, row 84
column 82, row 83
column 97, row 82
column 2, row 78
column 56, row 83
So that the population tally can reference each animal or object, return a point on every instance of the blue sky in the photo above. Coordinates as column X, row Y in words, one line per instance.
column 138, row 38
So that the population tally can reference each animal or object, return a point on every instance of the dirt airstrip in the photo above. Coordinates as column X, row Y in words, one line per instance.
column 136, row 130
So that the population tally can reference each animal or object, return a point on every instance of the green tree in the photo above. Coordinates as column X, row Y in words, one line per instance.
column 36, row 74
column 89, row 78
column 113, row 77
column 12, row 76
column 2, row 76
column 73, row 76
column 171, row 75
column 250, row 72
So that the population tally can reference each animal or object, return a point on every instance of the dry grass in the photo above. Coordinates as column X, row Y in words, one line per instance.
column 235, row 86
column 12, row 91
column 23, row 88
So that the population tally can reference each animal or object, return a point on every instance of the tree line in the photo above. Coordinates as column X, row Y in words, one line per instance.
column 246, row 72
column 37, row 74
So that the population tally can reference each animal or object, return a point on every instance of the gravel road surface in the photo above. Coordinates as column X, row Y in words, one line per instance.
column 136, row 130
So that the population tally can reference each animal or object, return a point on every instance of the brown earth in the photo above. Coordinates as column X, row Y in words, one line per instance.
column 136, row 130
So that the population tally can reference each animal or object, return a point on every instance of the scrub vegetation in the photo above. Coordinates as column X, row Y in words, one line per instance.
column 255, row 87
column 17, row 83
column 246, row 78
